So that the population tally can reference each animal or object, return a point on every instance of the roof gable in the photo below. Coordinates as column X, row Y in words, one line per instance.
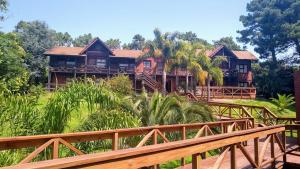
column 242, row 55
column 93, row 44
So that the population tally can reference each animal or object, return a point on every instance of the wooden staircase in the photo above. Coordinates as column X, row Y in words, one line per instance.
column 149, row 82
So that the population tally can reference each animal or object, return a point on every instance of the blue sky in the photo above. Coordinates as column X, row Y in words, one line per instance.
column 209, row 19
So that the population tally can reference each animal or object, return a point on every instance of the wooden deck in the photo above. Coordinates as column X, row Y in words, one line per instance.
column 242, row 161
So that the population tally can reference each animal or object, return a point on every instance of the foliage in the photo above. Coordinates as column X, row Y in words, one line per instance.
column 3, row 8
column 228, row 42
column 106, row 120
column 138, row 43
column 82, row 40
column 13, row 74
column 170, row 109
column 113, row 43
column 271, row 26
column 120, row 84
column 187, row 56
column 63, row 39
column 36, row 37
column 268, row 84
column 283, row 101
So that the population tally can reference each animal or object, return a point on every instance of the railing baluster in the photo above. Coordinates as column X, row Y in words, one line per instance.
column 183, row 136
column 55, row 148
column 115, row 141
column 232, row 156
column 195, row 161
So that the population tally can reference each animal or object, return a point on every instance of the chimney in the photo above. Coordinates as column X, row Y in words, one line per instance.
column 297, row 94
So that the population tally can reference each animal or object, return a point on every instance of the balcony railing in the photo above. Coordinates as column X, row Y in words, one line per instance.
column 93, row 69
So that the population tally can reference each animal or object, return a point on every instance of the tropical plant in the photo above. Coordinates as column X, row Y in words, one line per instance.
column 212, row 69
column 283, row 102
column 170, row 109
column 187, row 56
column 106, row 120
column 162, row 48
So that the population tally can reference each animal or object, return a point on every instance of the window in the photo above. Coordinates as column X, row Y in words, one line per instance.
column 101, row 63
column 70, row 62
column 147, row 64
column 241, row 68
column 243, row 84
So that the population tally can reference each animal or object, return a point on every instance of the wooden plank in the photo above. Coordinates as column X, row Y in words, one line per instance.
column 221, row 158
column 232, row 156
column 55, row 148
column 71, row 147
column 144, row 140
column 37, row 151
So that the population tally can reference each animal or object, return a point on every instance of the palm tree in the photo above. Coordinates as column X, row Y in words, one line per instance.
column 170, row 109
column 211, row 69
column 161, row 48
column 188, row 56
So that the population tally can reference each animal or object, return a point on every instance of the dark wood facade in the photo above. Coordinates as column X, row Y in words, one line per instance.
column 96, row 60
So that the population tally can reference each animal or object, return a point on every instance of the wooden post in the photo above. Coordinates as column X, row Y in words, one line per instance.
column 272, row 150
column 195, row 161
column 284, row 146
column 256, row 155
column 55, row 148
column 232, row 156
column 154, row 141
column 183, row 136
column 115, row 140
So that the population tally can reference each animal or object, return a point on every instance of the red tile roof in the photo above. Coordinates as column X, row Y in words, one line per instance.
column 244, row 55
column 74, row 51
column 127, row 53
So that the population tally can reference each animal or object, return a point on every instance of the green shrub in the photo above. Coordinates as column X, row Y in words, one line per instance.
column 120, row 84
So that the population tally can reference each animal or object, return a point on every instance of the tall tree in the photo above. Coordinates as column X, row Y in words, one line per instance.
column 163, row 49
column 82, row 40
column 3, row 8
column 192, row 37
column 36, row 37
column 270, row 26
column 211, row 69
column 138, row 42
column 113, row 43
column 13, row 74
column 228, row 42
column 187, row 55
column 63, row 39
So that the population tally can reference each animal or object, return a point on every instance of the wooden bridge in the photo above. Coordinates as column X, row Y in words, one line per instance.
column 238, row 140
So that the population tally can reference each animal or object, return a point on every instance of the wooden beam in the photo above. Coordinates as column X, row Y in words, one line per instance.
column 145, row 139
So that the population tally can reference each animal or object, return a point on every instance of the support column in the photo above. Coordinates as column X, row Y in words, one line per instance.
column 49, row 80
column 297, row 99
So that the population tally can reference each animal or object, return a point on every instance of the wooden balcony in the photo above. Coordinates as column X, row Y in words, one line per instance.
column 92, row 69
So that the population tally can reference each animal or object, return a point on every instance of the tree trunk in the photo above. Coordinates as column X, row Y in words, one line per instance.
column 208, row 88
column 177, row 79
column 164, row 80
column 186, row 82
column 296, row 41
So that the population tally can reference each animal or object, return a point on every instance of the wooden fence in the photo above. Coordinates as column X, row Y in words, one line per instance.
column 160, row 153
column 226, row 92
column 143, row 136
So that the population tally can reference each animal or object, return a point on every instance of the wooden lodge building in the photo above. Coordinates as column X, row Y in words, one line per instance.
column 98, row 61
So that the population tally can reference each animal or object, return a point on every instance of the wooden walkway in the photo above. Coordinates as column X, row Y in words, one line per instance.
column 243, row 163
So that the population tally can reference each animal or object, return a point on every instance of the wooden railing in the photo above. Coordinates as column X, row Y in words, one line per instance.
column 149, row 81
column 140, row 137
column 92, row 69
column 160, row 153
column 227, row 92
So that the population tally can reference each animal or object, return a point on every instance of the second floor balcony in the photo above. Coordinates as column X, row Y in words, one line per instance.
column 93, row 69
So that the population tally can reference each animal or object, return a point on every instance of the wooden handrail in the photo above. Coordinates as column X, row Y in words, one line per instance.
column 36, row 140
column 160, row 153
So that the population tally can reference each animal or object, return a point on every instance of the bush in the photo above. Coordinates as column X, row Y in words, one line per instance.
column 120, row 84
